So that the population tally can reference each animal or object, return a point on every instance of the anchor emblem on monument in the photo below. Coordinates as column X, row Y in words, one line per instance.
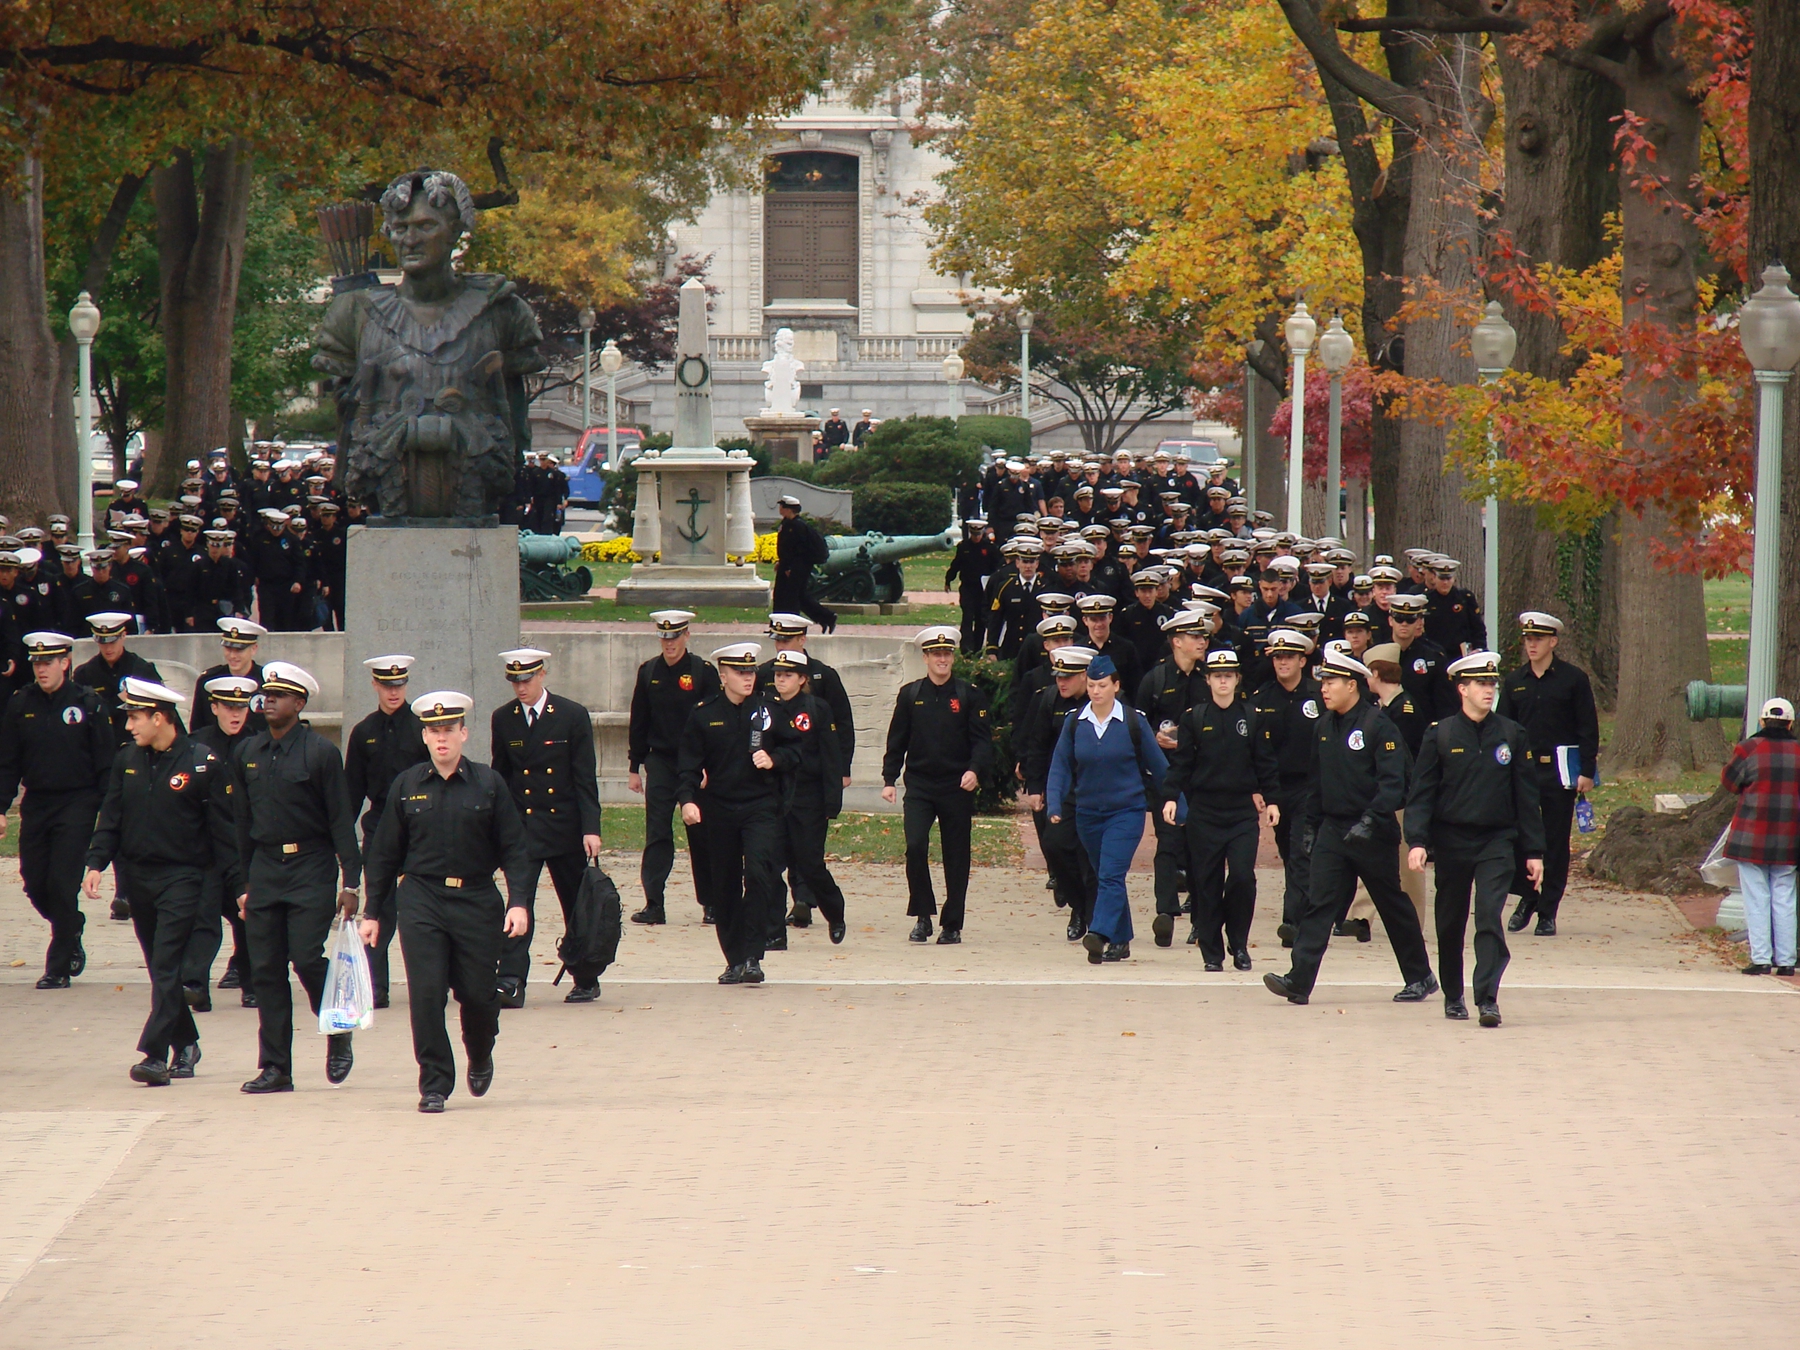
column 693, row 533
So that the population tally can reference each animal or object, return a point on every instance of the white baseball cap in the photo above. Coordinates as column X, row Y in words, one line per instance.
column 1777, row 710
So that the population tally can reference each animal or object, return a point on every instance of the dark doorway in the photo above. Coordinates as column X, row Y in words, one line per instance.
column 809, row 227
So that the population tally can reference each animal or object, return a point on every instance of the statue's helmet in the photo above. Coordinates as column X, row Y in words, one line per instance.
column 442, row 190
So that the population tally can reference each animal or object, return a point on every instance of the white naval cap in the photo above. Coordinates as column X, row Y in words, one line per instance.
column 136, row 693
column 395, row 669
column 284, row 677
column 442, row 706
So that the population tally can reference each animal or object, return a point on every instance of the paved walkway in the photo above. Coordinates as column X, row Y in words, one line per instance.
column 987, row 1145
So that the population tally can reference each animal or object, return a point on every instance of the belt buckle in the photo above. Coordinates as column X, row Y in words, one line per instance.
column 454, row 883
column 290, row 848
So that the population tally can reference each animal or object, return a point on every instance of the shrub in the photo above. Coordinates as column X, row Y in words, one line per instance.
column 900, row 508
column 905, row 450
column 1011, row 434
column 994, row 679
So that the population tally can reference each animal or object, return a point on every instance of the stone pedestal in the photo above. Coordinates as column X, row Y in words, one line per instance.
column 694, row 511
column 447, row 594
column 787, row 436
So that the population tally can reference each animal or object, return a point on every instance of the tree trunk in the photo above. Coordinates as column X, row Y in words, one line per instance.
column 1560, row 185
column 1315, row 510
column 1442, row 244
column 28, row 365
column 1662, row 614
column 1775, row 233
column 200, row 227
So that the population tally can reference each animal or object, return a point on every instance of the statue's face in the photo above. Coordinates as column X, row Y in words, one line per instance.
column 423, row 238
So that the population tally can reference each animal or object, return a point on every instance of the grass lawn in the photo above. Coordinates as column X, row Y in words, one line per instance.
column 1728, row 606
column 854, row 835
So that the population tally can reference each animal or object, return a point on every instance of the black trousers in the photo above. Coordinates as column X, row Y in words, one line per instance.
column 974, row 622
column 1558, row 805
column 292, row 906
column 954, row 811
column 660, row 810
column 1222, row 875
column 565, row 875
column 273, row 607
column 54, row 831
column 1487, row 874
column 164, row 903
column 1172, row 850
column 449, row 941
column 1337, row 864
column 216, row 909
column 744, row 845
column 793, row 595
column 1296, row 863
column 805, row 827
column 1071, row 870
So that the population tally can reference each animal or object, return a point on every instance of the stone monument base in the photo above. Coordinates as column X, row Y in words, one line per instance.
column 786, row 436
column 446, row 595
column 671, row 586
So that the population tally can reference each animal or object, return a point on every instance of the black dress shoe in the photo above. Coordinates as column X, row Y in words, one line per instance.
column 120, row 909
column 431, row 1104
column 1278, row 984
column 481, row 1077
column 1163, row 928
column 1520, row 917
column 753, row 973
column 777, row 943
column 197, row 996
column 78, row 961
column 650, row 914
column 1418, row 991
column 706, row 914
column 381, row 998
column 582, row 994
column 1341, row 928
column 921, row 931
column 1784, row 971
column 1095, row 945
column 1285, row 931
column 1240, row 960
column 150, row 1072
column 1490, row 1014
column 338, row 1058
column 1193, row 937
column 232, row 978
column 1456, row 1010
column 185, row 1060
column 1545, row 928
column 950, row 937
column 248, row 1000
column 1359, row 929
column 1076, row 928
column 800, row 915
column 1754, row 968
column 53, row 982
column 732, row 975
column 837, row 931
column 1212, row 966
column 270, row 1079
column 512, row 995
column 1116, row 951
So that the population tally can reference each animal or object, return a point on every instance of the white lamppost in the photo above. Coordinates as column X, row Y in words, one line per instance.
column 1493, row 341
column 84, row 323
column 1025, row 317
column 1336, row 349
column 1769, row 328
column 1252, row 433
column 586, row 320
column 1301, row 328
column 953, row 373
column 611, row 359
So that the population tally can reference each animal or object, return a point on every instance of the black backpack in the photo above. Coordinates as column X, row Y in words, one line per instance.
column 592, row 941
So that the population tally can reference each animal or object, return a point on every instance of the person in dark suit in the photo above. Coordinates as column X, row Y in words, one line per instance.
column 815, row 790
column 669, row 686
column 543, row 746
column 798, row 549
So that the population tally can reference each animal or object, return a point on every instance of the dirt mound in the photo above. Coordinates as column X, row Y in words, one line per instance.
column 1661, row 854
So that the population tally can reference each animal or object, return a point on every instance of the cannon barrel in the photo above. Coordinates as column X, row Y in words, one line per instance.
column 543, row 571
column 1727, row 702
column 848, row 549
column 548, row 548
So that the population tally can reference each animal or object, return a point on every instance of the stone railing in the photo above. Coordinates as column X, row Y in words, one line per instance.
column 747, row 349
column 752, row 349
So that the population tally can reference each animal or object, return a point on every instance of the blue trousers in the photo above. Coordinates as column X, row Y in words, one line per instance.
column 1110, row 841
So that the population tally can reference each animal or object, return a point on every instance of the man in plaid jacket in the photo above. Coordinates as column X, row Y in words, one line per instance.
column 1764, row 839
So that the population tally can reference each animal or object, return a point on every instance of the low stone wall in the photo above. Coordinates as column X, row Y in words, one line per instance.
column 596, row 667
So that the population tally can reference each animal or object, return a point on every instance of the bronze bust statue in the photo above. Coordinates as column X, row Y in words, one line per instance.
column 429, row 374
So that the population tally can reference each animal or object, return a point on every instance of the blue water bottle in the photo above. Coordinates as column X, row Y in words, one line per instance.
column 1584, row 814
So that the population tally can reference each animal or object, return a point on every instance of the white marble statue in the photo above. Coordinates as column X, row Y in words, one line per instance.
column 782, row 387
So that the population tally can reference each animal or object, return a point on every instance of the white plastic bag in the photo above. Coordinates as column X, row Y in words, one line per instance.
column 349, row 1002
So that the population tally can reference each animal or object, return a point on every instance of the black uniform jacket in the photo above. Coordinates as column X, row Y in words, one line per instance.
column 105, row 681
column 550, row 767
column 717, row 744
column 1404, row 712
column 169, row 808
column 289, row 794
column 826, row 685
column 1165, row 694
column 202, row 708
column 818, row 778
column 1475, row 787
column 377, row 748
column 938, row 733
column 1422, row 675
column 1288, row 720
column 661, row 700
column 464, row 828
column 1220, row 762
column 61, row 742
column 1361, row 769
column 1555, row 709
column 1035, row 740
column 1142, row 628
